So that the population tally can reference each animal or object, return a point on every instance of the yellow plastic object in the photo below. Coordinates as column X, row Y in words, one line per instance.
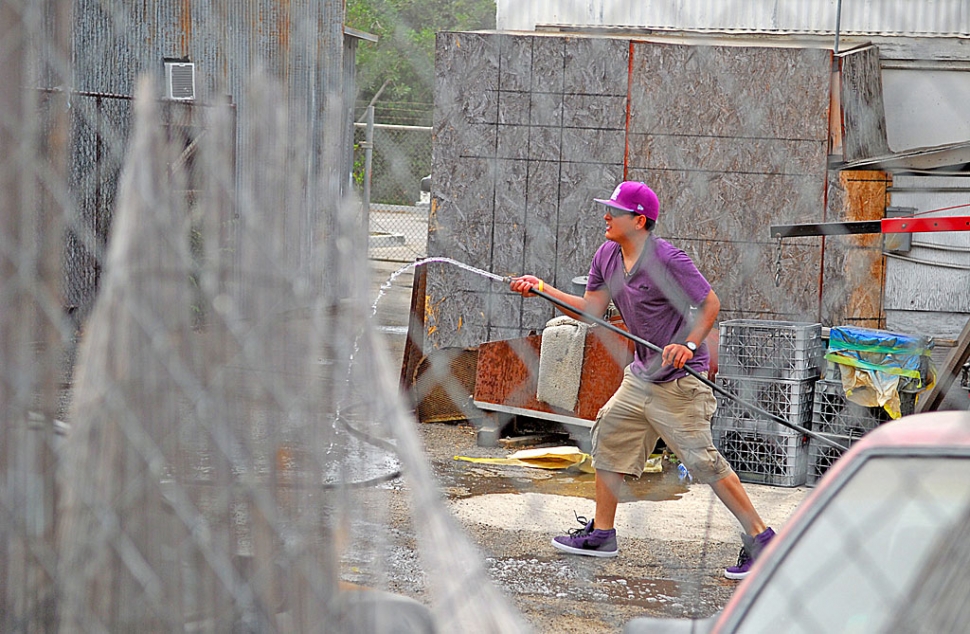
column 542, row 458
column 558, row 458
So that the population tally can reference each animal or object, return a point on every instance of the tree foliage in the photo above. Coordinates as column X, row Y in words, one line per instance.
column 402, row 60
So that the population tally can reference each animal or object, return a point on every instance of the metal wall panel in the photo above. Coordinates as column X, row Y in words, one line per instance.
column 935, row 17
column 300, row 43
column 925, row 107
column 296, row 48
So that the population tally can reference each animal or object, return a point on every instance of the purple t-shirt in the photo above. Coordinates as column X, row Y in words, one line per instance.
column 654, row 301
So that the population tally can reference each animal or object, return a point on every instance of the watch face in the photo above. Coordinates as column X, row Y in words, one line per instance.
column 692, row 346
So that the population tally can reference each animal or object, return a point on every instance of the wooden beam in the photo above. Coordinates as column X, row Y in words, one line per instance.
column 946, row 375
column 414, row 344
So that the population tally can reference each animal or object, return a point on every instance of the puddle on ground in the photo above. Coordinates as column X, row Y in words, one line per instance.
column 642, row 592
column 560, row 578
column 463, row 480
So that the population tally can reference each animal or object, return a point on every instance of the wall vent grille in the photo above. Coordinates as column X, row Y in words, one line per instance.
column 180, row 80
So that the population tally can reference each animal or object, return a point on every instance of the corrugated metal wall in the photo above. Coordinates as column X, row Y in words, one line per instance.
column 228, row 40
column 298, row 45
column 923, row 17
column 299, row 42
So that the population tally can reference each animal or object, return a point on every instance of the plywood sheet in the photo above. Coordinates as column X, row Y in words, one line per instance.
column 733, row 139
column 453, row 316
column 749, row 283
column 864, row 116
column 853, row 276
column 727, row 154
column 730, row 91
column 466, row 76
column 595, row 66
column 556, row 140
column 919, row 282
column 732, row 206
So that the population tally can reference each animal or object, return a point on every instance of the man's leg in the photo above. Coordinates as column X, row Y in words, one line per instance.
column 597, row 538
column 682, row 413
column 620, row 437
column 730, row 491
column 756, row 536
column 608, row 485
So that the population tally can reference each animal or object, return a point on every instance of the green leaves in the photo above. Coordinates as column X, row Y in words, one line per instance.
column 404, row 53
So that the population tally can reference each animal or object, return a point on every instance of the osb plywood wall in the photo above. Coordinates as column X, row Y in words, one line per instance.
column 530, row 128
column 863, row 116
column 853, row 278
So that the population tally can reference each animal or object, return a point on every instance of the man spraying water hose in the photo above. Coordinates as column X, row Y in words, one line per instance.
column 654, row 286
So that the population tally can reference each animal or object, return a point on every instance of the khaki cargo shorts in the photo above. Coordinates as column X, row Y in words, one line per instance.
column 628, row 425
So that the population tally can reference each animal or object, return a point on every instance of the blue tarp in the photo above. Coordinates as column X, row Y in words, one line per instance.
column 879, row 350
column 876, row 365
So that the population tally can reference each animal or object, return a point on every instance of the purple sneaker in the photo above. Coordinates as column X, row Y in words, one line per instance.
column 752, row 547
column 588, row 541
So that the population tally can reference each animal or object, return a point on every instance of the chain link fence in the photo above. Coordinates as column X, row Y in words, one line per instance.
column 201, row 428
column 199, row 424
column 400, row 157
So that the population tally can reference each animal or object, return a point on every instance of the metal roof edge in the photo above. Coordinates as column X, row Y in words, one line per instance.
column 829, row 33
column 922, row 158
column 360, row 35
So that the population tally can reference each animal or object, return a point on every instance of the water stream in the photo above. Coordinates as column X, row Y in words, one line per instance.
column 468, row 267
column 340, row 406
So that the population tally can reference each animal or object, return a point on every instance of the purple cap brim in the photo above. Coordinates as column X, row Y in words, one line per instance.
column 615, row 205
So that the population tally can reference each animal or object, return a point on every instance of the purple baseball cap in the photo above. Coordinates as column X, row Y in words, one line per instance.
column 633, row 197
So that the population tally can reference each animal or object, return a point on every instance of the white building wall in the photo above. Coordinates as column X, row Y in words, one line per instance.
column 912, row 17
column 925, row 107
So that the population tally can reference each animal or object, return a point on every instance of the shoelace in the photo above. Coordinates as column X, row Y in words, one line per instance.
column 575, row 532
column 743, row 557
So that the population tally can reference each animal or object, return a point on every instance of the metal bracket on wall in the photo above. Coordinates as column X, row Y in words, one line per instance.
column 886, row 225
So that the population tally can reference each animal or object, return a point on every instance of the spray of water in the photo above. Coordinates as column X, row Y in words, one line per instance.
column 468, row 267
column 340, row 406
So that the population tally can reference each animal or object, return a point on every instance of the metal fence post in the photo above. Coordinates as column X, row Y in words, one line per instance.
column 368, row 157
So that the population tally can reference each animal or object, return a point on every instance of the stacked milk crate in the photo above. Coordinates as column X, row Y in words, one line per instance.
column 839, row 419
column 773, row 365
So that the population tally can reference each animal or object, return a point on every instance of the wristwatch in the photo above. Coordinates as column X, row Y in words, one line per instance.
column 691, row 346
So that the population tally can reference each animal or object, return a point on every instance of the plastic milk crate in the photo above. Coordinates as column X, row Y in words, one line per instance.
column 821, row 456
column 788, row 398
column 763, row 457
column 770, row 349
column 833, row 413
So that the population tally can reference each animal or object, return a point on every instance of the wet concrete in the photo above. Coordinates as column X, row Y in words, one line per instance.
column 480, row 479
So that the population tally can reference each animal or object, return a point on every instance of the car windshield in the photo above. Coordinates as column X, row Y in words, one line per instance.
column 858, row 558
